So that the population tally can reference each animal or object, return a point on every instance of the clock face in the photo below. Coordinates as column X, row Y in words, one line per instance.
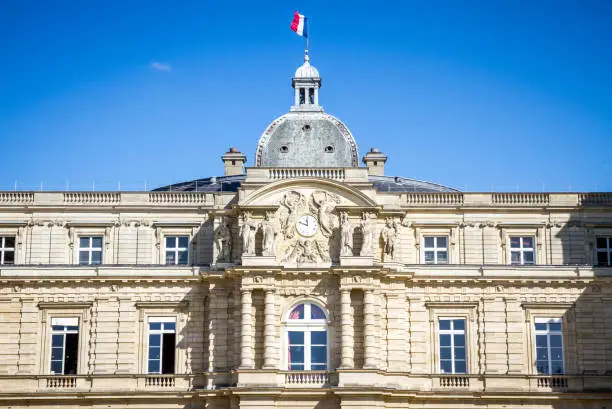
column 307, row 225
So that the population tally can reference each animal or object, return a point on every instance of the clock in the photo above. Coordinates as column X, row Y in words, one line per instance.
column 307, row 225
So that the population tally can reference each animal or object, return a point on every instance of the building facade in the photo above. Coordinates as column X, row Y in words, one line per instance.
column 305, row 281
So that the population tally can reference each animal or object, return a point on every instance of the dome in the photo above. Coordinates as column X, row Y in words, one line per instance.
column 307, row 139
column 306, row 71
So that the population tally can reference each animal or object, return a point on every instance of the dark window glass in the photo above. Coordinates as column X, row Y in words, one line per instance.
column 96, row 257
column 445, row 340
column 169, row 344
column 57, row 340
column 170, row 242
column 170, row 257
column 170, row 326
column 153, row 366
column 302, row 96
column 541, row 341
column 442, row 241
column 460, row 353
column 9, row 242
column 96, row 241
column 84, row 242
column 318, row 338
column 460, row 367
column 296, row 337
column 515, row 257
column 154, row 339
column 429, row 241
column 540, row 326
column 296, row 354
column 297, row 313
column 316, row 313
column 183, row 259
column 154, row 352
column 459, row 340
column 602, row 258
column 458, row 324
column 445, row 324
column 71, row 354
column 311, row 95
column 83, row 257
column 602, row 242
column 528, row 242
column 515, row 242
column 445, row 353
column 318, row 354
column 9, row 257
column 183, row 241
column 446, row 366
column 429, row 256
column 555, row 326
column 442, row 257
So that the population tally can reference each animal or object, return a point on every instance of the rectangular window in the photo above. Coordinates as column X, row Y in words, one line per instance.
column 604, row 251
column 7, row 250
column 307, row 350
column 90, row 250
column 549, row 346
column 177, row 250
column 162, row 345
column 435, row 250
column 64, row 346
column 451, row 333
column 522, row 250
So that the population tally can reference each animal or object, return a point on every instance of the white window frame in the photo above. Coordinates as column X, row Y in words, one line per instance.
column 4, row 249
column 435, row 249
column 176, row 250
column 307, row 326
column 452, row 332
column 521, row 249
column 548, row 332
column 90, row 249
column 65, row 322
column 607, row 250
column 161, row 332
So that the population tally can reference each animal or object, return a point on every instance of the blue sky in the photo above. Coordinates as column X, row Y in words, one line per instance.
column 477, row 95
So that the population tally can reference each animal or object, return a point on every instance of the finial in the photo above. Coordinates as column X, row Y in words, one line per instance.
column 306, row 57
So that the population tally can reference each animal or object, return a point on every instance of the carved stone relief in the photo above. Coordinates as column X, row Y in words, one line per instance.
column 223, row 241
column 389, row 238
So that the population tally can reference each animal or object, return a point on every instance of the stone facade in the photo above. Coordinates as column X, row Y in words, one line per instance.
column 284, row 237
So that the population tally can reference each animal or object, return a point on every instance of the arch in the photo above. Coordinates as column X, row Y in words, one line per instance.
column 358, row 197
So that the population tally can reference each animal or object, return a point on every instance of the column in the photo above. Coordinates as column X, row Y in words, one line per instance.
column 246, row 334
column 348, row 330
column 369, row 329
column 316, row 96
column 297, row 96
column 269, row 330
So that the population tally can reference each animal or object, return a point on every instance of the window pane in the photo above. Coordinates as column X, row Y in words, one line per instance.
column 541, row 354
column 542, row 367
column 459, row 324
column 429, row 241
column 297, row 313
column 155, row 325
column 170, row 257
column 296, row 338
column 444, row 324
column 316, row 313
column 154, row 340
column 296, row 367
column 296, row 354
column 83, row 257
column 515, row 242
column 445, row 353
column 154, row 353
column 96, row 257
column 9, row 257
column 57, row 354
column 183, row 258
column 183, row 241
column 557, row 367
column 460, row 367
column 318, row 338
column 56, row 367
column 429, row 256
column 460, row 353
column 555, row 326
column 555, row 341
column 170, row 241
column 540, row 326
column 528, row 242
column 602, row 243
column 318, row 355
column 96, row 242
column 442, row 257
column 153, row 366
column 57, row 340
column 170, row 326
column 602, row 258
column 446, row 367
column 528, row 257
column 556, row 354
column 445, row 340
column 442, row 241
column 9, row 242
column 515, row 257
column 318, row 367
column 84, row 242
column 541, row 341
column 72, row 328
column 459, row 340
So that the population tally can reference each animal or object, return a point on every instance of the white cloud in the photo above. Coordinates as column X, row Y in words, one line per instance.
column 160, row 66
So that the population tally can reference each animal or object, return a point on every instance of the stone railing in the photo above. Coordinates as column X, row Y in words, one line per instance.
column 594, row 199
column 178, row 198
column 160, row 381
column 92, row 198
column 551, row 382
column 21, row 198
column 455, row 381
column 291, row 173
column 306, row 378
column 520, row 199
column 61, row 382
column 434, row 199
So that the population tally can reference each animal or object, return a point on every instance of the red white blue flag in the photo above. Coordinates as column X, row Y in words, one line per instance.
column 300, row 24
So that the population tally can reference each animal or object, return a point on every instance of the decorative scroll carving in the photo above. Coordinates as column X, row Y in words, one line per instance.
column 367, row 232
column 389, row 237
column 346, row 230
column 247, row 233
column 223, row 241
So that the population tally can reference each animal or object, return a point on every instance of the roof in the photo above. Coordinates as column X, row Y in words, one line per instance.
column 394, row 184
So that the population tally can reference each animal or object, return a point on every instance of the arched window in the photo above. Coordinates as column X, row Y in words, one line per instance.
column 306, row 338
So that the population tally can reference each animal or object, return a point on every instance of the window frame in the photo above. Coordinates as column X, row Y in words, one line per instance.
column 166, row 319
column 64, row 332
column 452, row 332
column 177, row 249
column 4, row 249
column 90, row 249
column 435, row 249
column 306, row 326
column 607, row 250
column 521, row 249
column 548, row 333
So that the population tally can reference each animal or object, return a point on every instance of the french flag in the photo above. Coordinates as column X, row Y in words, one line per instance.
column 300, row 24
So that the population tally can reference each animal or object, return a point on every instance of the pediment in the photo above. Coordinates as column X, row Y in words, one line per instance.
column 273, row 193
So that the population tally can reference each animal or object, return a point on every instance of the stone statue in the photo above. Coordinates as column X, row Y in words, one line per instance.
column 346, row 235
column 268, row 228
column 323, row 204
column 223, row 241
column 291, row 206
column 248, row 232
column 367, row 232
column 389, row 235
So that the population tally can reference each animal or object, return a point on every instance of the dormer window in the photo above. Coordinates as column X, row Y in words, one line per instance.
column 284, row 149
column 306, row 128
column 329, row 149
